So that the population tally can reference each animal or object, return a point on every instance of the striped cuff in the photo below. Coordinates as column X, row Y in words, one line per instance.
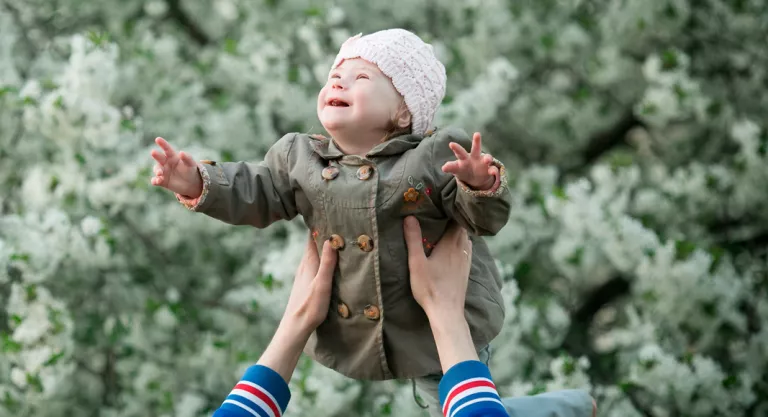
column 468, row 390
column 261, row 393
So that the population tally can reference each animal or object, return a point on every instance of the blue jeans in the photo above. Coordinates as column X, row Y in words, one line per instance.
column 563, row 403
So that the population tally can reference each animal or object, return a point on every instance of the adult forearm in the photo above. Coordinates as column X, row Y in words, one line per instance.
column 283, row 352
column 453, row 339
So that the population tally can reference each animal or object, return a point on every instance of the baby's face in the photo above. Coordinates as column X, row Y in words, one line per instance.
column 357, row 96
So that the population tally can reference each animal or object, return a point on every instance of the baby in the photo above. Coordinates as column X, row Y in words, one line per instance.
column 382, row 162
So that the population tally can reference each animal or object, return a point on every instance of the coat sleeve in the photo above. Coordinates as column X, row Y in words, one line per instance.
column 244, row 193
column 481, row 212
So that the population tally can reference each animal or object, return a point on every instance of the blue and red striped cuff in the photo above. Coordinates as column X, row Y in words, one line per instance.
column 261, row 392
column 468, row 390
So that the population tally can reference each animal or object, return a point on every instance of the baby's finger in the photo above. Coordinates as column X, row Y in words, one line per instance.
column 460, row 152
column 476, row 145
column 487, row 159
column 158, row 170
column 188, row 161
column 157, row 180
column 158, row 156
column 452, row 167
column 169, row 152
column 493, row 170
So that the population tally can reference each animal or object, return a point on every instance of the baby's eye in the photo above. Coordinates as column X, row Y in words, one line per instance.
column 364, row 76
column 335, row 76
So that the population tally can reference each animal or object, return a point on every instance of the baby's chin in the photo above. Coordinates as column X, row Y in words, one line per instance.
column 335, row 123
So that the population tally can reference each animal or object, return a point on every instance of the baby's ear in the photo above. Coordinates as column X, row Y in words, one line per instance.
column 403, row 118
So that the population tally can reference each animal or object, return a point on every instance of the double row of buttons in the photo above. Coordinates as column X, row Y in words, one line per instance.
column 364, row 242
column 371, row 312
column 363, row 173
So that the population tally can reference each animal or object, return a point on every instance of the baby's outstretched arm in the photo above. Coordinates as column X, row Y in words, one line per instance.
column 472, row 185
column 239, row 193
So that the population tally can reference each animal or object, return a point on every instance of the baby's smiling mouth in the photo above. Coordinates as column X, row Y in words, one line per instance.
column 337, row 103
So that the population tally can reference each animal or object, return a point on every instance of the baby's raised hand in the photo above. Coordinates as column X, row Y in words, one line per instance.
column 176, row 171
column 474, row 168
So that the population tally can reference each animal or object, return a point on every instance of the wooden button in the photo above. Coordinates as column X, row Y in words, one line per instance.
column 371, row 312
column 365, row 243
column 364, row 172
column 337, row 242
column 330, row 173
column 343, row 310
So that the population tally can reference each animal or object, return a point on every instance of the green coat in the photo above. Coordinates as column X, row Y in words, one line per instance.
column 375, row 329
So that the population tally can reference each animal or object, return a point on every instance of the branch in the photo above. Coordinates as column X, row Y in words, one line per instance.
column 605, row 141
column 576, row 340
column 178, row 15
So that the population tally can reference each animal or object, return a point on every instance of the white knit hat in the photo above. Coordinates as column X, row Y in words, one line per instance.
column 410, row 63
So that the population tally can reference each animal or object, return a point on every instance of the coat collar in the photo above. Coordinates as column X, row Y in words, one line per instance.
column 327, row 148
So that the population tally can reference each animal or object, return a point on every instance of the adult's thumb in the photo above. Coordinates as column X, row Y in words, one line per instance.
column 412, row 232
column 327, row 265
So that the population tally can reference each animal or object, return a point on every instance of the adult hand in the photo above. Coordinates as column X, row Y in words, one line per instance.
column 307, row 307
column 439, row 285
column 311, row 293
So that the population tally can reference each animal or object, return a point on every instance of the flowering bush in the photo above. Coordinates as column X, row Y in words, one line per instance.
column 633, row 132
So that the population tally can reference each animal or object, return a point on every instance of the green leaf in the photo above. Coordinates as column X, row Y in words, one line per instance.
column 569, row 366
column 313, row 11
column 293, row 73
column 547, row 41
column 24, row 257
column 230, row 46
column 683, row 249
column 127, row 124
column 559, row 192
column 6, row 90
column 31, row 292
column 669, row 60
column 53, row 184
column 35, row 382
column 576, row 257
column 53, row 360
column 731, row 382
column 9, row 345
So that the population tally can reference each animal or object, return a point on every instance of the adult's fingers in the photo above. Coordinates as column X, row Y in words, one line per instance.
column 455, row 236
column 324, row 274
